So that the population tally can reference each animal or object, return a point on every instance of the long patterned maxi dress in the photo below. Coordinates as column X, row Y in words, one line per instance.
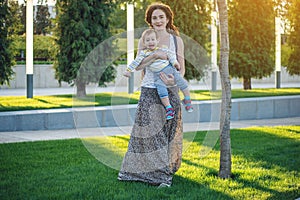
column 155, row 145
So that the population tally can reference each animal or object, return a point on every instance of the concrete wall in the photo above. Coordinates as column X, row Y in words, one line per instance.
column 43, row 77
column 123, row 115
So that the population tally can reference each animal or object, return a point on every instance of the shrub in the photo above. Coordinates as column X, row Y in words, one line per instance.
column 43, row 48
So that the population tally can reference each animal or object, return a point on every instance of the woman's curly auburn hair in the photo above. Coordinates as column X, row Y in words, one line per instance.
column 171, row 28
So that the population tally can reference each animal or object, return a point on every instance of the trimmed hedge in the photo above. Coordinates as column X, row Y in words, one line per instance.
column 43, row 47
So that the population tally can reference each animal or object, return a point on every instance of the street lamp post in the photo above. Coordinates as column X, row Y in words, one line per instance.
column 214, row 50
column 130, row 43
column 277, row 51
column 29, row 48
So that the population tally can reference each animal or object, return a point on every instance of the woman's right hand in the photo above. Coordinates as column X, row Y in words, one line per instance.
column 168, row 79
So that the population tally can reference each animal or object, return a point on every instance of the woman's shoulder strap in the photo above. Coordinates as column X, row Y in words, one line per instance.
column 175, row 42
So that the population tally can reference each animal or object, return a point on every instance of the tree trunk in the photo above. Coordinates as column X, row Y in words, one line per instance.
column 225, row 144
column 81, row 91
column 247, row 83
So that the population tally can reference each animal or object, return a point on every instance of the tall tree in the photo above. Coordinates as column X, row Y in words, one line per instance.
column 293, row 66
column 82, row 26
column 6, row 55
column 251, row 34
column 42, row 20
column 16, row 26
column 23, row 18
column 192, row 18
column 225, row 146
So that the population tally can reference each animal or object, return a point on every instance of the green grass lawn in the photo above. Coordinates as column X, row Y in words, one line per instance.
column 265, row 165
column 13, row 103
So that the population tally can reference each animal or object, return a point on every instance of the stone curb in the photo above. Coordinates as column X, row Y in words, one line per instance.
column 123, row 115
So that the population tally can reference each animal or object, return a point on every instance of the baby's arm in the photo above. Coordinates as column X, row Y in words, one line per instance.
column 134, row 64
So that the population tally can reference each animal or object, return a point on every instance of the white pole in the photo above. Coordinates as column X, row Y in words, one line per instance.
column 29, row 47
column 277, row 51
column 214, row 50
column 130, row 43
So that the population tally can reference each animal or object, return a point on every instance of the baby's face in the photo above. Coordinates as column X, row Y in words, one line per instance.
column 151, row 41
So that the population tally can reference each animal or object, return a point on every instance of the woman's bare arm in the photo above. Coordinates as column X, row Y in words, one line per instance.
column 180, row 55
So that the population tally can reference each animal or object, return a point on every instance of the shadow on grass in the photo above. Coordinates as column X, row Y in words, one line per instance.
column 125, row 138
column 65, row 170
column 55, row 105
column 262, row 158
column 212, row 174
column 259, row 145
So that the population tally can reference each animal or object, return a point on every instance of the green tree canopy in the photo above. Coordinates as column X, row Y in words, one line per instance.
column 251, row 36
column 16, row 27
column 6, row 55
column 42, row 20
column 82, row 25
column 293, row 66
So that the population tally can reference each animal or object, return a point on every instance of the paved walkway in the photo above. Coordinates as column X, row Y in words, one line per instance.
column 27, row 136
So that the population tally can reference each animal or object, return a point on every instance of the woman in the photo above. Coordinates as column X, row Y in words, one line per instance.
column 155, row 146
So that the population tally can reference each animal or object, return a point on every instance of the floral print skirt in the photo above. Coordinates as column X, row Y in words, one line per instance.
column 155, row 145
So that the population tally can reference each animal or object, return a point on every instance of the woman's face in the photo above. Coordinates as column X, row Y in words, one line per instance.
column 159, row 20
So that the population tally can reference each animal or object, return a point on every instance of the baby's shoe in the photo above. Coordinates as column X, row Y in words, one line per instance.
column 170, row 113
column 188, row 105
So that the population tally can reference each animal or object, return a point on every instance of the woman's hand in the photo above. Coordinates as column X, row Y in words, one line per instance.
column 168, row 79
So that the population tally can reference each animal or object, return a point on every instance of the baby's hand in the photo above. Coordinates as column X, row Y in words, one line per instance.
column 177, row 66
column 159, row 54
column 127, row 74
